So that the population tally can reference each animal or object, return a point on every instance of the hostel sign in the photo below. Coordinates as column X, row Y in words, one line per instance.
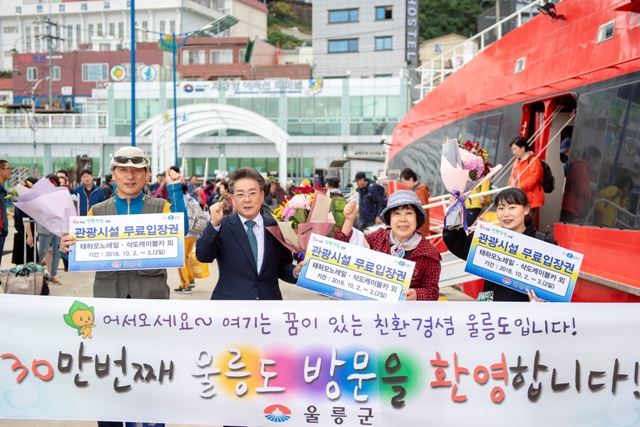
column 412, row 39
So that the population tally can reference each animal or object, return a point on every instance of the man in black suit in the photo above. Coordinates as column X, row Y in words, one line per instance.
column 250, row 259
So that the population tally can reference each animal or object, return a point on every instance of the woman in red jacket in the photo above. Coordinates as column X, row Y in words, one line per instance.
column 527, row 173
column 405, row 215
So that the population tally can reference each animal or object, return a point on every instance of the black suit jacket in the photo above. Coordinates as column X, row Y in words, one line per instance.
column 238, row 275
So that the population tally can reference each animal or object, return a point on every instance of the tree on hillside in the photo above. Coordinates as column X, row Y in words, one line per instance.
column 283, row 10
column 286, row 41
column 442, row 17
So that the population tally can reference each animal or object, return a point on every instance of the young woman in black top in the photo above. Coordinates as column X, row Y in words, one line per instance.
column 514, row 213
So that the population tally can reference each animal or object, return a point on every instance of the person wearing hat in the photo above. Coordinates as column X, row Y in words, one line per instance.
column 565, row 151
column 403, row 215
column 129, row 167
column 371, row 201
column 338, row 202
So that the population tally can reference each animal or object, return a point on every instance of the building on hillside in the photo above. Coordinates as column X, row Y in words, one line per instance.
column 236, row 58
column 6, row 92
column 205, row 58
column 77, row 74
column 299, row 55
column 364, row 39
column 433, row 48
column 251, row 14
column 85, row 22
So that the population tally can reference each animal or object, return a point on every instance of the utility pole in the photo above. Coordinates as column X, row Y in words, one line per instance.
column 50, row 37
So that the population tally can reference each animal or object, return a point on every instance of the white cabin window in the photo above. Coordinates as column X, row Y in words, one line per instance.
column 520, row 64
column 605, row 32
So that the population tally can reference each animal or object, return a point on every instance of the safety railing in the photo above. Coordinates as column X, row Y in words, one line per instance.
column 18, row 175
column 55, row 121
column 618, row 222
column 434, row 72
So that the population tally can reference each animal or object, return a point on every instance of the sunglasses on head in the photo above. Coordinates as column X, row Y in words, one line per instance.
column 135, row 160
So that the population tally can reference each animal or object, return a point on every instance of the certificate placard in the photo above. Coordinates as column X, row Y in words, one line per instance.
column 520, row 262
column 348, row 272
column 127, row 242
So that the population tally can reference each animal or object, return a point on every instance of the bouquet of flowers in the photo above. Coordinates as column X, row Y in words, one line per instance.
column 307, row 211
column 47, row 204
column 463, row 168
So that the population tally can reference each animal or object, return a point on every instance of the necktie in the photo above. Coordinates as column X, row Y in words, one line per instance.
column 253, row 242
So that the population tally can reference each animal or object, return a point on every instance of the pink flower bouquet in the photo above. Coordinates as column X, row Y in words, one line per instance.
column 307, row 212
column 463, row 168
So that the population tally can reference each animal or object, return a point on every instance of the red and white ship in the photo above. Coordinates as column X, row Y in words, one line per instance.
column 576, row 73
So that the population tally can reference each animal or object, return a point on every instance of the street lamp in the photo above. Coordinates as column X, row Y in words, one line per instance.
column 174, row 47
column 33, row 123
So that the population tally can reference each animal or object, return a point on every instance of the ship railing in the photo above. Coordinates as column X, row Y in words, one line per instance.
column 619, row 222
column 55, row 121
column 434, row 72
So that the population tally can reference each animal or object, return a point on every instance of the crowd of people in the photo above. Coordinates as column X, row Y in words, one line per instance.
column 251, row 261
column 399, row 225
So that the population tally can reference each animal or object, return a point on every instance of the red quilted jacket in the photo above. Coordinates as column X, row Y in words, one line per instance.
column 427, row 271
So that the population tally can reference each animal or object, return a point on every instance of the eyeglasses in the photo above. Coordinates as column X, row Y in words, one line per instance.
column 123, row 160
column 252, row 195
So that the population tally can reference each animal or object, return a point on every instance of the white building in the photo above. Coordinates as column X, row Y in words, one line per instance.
column 22, row 27
column 365, row 38
column 325, row 123
column 6, row 92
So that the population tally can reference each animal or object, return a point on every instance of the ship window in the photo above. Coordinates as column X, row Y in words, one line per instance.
column 520, row 63
column 605, row 32
column 611, row 153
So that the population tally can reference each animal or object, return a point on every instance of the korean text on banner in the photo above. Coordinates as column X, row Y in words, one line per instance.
column 521, row 262
column 303, row 363
column 349, row 272
column 127, row 242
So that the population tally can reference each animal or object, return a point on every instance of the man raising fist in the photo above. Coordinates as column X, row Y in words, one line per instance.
column 250, row 259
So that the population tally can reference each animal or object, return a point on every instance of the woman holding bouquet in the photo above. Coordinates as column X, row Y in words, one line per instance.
column 527, row 173
column 404, row 215
column 514, row 213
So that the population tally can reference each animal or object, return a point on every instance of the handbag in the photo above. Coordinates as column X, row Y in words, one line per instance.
column 26, row 280
column 200, row 270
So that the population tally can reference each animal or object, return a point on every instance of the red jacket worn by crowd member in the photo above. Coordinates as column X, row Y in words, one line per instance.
column 426, row 274
column 531, row 179
column 422, row 191
column 577, row 190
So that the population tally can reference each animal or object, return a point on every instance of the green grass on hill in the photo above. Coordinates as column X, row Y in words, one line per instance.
column 276, row 23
